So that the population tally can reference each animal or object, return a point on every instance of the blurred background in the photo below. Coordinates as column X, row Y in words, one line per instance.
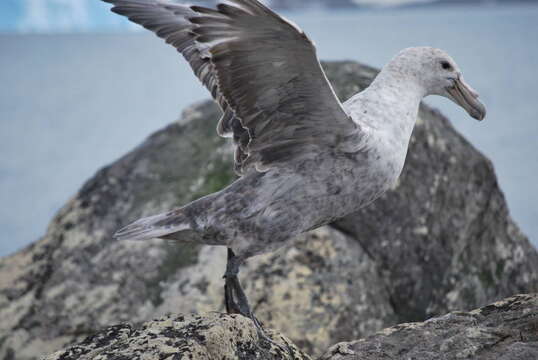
column 81, row 86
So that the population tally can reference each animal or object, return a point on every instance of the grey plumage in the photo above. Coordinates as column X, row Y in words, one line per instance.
column 304, row 158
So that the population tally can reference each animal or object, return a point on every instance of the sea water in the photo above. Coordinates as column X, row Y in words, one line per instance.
column 72, row 103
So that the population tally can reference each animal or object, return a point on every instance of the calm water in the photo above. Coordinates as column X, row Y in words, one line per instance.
column 70, row 104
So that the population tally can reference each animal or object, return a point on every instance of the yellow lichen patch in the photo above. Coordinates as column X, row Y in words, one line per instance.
column 388, row 331
column 318, row 243
column 219, row 339
column 420, row 230
column 207, row 336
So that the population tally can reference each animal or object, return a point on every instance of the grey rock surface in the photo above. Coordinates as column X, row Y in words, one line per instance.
column 506, row 330
column 441, row 240
column 198, row 337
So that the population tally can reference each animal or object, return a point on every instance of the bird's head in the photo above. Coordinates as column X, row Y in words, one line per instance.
column 438, row 74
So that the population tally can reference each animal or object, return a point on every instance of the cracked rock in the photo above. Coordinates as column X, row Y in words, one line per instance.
column 506, row 330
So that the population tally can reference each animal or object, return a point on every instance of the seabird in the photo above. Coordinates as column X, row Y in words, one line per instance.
column 304, row 158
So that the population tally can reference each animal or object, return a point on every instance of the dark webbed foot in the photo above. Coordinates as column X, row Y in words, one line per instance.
column 236, row 301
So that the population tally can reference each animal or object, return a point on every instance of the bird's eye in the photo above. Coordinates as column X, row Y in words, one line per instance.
column 446, row 65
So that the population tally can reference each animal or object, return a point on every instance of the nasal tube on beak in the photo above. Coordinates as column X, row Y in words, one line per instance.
column 465, row 96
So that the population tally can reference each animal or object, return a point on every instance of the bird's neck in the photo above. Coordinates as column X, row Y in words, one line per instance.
column 390, row 104
column 386, row 112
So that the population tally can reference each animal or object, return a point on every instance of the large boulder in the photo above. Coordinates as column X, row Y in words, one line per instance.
column 441, row 240
column 198, row 337
column 506, row 330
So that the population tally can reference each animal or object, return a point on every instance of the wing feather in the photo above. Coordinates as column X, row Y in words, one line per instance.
column 262, row 70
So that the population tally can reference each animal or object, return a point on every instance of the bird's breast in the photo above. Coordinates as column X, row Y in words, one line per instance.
column 376, row 169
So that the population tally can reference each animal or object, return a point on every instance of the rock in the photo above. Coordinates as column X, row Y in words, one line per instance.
column 506, row 330
column 197, row 337
column 441, row 240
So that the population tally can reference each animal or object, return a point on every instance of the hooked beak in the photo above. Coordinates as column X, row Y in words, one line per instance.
column 466, row 97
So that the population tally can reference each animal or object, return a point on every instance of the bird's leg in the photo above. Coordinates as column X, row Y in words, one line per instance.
column 233, row 291
column 235, row 299
column 231, row 306
column 232, row 268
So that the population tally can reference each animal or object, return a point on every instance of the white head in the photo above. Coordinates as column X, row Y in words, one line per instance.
column 438, row 74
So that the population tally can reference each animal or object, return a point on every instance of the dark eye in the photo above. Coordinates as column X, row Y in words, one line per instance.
column 446, row 65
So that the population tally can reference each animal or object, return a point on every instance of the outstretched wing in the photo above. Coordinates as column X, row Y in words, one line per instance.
column 261, row 69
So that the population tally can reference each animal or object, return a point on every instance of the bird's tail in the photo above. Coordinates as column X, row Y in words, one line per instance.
column 173, row 225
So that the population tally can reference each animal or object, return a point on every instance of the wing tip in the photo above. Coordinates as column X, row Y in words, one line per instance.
column 131, row 232
column 151, row 227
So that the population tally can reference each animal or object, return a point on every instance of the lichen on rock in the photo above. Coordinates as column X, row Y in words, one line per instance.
column 198, row 337
column 506, row 330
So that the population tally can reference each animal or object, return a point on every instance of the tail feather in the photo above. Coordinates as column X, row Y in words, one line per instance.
column 156, row 226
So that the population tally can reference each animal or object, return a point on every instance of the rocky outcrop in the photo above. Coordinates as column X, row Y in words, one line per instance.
column 197, row 337
column 506, row 330
column 441, row 240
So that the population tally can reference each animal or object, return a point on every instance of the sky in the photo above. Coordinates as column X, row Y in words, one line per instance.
column 58, row 16
column 44, row 16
